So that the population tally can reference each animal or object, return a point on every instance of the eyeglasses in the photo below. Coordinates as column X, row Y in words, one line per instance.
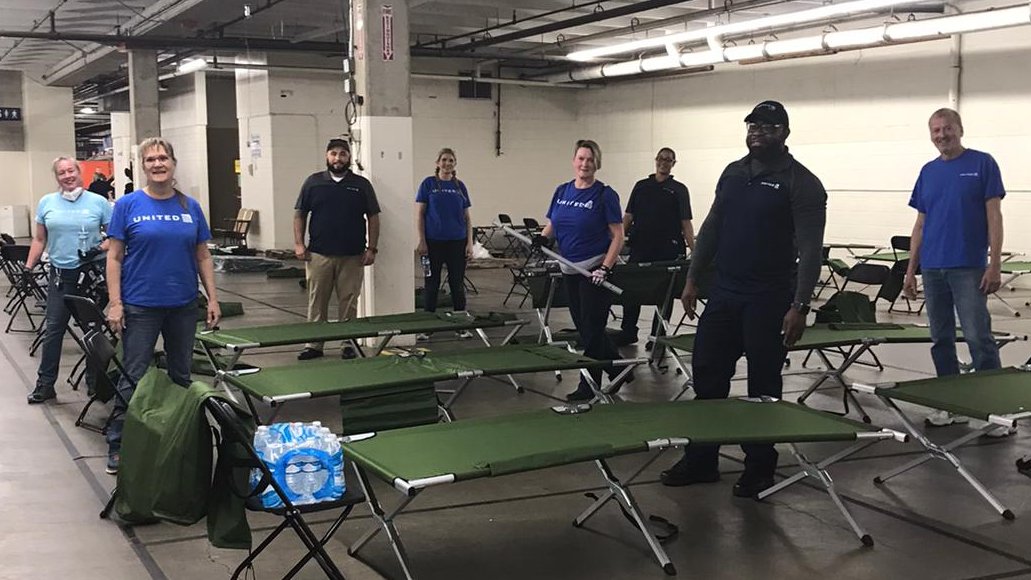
column 661, row 159
column 764, row 128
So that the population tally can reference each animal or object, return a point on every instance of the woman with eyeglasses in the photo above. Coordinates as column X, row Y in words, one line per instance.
column 586, row 220
column 445, row 232
column 158, row 249
column 67, row 222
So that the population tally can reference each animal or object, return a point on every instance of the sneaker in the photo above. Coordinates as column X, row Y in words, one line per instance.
column 422, row 337
column 750, row 485
column 114, row 459
column 41, row 395
column 995, row 433
column 308, row 354
column 944, row 418
column 581, row 393
column 462, row 335
column 348, row 353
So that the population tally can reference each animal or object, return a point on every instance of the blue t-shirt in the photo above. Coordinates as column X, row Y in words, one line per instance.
column 952, row 195
column 446, row 202
column 160, row 265
column 72, row 225
column 580, row 219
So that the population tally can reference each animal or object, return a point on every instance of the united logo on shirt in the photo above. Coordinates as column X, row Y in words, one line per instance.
column 580, row 204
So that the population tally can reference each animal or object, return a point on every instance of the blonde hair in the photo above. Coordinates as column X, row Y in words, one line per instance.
column 595, row 150
column 445, row 151
column 63, row 158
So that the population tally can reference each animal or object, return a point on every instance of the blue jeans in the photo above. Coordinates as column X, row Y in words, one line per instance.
column 62, row 283
column 954, row 291
column 177, row 327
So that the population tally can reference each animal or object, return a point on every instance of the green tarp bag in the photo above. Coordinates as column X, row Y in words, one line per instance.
column 167, row 462
column 846, row 306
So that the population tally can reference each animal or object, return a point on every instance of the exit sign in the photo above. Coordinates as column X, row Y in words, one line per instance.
column 10, row 114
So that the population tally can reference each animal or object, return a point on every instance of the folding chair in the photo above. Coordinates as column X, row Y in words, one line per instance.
column 235, row 230
column 892, row 288
column 233, row 431
column 27, row 291
column 532, row 226
column 900, row 244
column 869, row 275
column 836, row 269
column 89, row 318
column 512, row 245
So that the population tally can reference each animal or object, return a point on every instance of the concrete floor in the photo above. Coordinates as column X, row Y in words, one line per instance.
column 926, row 523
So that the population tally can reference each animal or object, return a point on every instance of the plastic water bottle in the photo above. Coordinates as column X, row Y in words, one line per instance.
column 332, row 446
column 426, row 270
column 83, row 239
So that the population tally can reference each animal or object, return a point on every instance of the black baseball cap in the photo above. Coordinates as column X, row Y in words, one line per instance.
column 337, row 142
column 768, row 112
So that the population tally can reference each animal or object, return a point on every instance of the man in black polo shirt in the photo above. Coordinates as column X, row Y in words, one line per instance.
column 658, row 220
column 764, row 238
column 337, row 203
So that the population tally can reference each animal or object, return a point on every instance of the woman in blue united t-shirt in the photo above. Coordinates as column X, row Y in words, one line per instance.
column 445, row 231
column 158, row 240
column 586, row 219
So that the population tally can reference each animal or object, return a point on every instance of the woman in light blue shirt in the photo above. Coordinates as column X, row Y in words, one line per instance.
column 67, row 221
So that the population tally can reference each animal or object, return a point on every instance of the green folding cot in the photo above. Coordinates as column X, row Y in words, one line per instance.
column 852, row 339
column 416, row 458
column 409, row 375
column 385, row 327
column 998, row 397
column 1012, row 270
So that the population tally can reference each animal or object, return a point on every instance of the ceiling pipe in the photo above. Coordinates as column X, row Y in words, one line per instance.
column 499, row 81
column 442, row 42
column 171, row 42
column 569, row 23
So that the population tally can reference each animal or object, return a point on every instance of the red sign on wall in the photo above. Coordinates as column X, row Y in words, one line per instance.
column 388, row 32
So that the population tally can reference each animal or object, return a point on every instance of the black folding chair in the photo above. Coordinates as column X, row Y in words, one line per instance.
column 28, row 294
column 90, row 318
column 512, row 245
column 900, row 244
column 234, row 432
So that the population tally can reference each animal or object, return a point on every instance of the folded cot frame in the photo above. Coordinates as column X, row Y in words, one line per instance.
column 469, row 440
column 1002, row 399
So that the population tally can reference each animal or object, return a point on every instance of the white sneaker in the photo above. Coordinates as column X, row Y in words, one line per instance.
column 463, row 334
column 422, row 337
column 944, row 418
column 996, row 432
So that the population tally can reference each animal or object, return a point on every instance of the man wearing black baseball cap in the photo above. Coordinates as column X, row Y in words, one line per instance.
column 340, row 205
column 764, row 239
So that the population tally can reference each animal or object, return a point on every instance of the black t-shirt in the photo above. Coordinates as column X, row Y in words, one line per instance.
column 338, row 210
column 101, row 187
column 658, row 210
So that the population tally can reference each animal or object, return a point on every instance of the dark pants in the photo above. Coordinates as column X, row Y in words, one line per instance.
column 729, row 327
column 589, row 308
column 62, row 283
column 632, row 312
column 450, row 253
column 177, row 327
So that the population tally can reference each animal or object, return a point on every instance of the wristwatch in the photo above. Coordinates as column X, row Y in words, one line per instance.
column 801, row 307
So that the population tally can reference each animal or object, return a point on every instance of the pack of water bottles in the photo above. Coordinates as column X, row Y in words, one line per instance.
column 305, row 459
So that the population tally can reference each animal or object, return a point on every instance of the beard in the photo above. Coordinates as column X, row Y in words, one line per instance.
column 337, row 167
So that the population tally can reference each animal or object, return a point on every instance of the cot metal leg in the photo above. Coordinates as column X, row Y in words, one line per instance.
column 685, row 370
column 446, row 405
column 822, row 464
column 486, row 341
column 385, row 521
column 608, row 495
column 838, row 373
column 825, row 480
column 622, row 494
column 943, row 452
column 382, row 344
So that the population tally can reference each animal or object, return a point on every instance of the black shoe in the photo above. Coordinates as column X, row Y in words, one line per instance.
column 751, row 485
column 348, row 353
column 625, row 339
column 580, row 394
column 679, row 476
column 308, row 354
column 648, row 346
column 41, row 395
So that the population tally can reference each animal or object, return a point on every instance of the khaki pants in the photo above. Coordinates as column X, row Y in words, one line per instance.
column 328, row 273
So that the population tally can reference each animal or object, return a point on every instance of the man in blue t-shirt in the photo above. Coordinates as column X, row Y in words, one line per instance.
column 959, row 224
column 334, row 208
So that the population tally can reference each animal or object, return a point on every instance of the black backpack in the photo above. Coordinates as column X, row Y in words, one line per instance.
column 846, row 306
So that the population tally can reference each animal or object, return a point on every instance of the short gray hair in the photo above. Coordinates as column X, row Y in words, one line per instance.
column 595, row 150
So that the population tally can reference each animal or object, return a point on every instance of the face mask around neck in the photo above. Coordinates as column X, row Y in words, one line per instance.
column 72, row 195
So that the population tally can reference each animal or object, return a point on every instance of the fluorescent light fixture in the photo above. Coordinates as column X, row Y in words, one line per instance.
column 704, row 58
column 194, row 65
column 743, row 52
column 87, row 110
column 781, row 20
column 660, row 63
column 794, row 46
column 970, row 22
column 852, row 38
